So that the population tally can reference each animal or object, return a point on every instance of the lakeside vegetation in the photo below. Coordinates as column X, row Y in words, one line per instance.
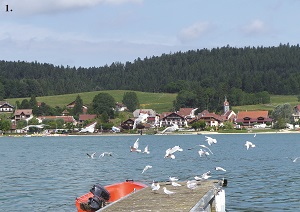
column 160, row 102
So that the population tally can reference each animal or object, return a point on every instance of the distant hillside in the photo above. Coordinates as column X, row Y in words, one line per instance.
column 160, row 102
column 250, row 69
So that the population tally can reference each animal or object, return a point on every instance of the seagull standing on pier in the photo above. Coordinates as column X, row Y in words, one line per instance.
column 175, row 184
column 191, row 184
column 155, row 187
column 173, row 179
column 168, row 192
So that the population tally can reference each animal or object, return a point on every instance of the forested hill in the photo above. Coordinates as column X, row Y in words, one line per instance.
column 250, row 69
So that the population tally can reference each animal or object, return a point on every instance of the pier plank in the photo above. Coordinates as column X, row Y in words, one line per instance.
column 184, row 199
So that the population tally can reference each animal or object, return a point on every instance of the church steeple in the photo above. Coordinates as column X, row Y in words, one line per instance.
column 226, row 105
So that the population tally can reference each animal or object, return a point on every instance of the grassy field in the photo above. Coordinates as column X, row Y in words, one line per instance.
column 160, row 102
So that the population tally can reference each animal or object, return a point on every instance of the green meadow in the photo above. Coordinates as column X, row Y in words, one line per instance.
column 160, row 102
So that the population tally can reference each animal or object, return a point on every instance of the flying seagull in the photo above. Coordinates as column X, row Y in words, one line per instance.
column 170, row 152
column 249, row 144
column 91, row 155
column 135, row 147
column 210, row 140
column 220, row 169
column 146, row 150
column 146, row 168
column 105, row 154
column 203, row 153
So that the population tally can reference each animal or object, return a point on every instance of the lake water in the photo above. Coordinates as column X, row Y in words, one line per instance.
column 48, row 173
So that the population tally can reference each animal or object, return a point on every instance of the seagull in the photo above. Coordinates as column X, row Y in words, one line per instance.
column 146, row 168
column 91, row 155
column 249, row 144
column 203, row 146
column 294, row 160
column 220, row 169
column 170, row 152
column 172, row 179
column 191, row 184
column 197, row 178
column 155, row 187
column 210, row 140
column 135, row 147
column 105, row 153
column 254, row 135
column 206, row 175
column 175, row 184
column 168, row 192
column 146, row 150
column 203, row 153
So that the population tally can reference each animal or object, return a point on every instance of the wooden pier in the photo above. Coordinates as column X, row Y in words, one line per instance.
column 184, row 199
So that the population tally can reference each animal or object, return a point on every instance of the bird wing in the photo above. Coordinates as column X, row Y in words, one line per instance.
column 136, row 144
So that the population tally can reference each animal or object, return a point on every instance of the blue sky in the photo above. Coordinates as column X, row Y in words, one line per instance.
column 91, row 33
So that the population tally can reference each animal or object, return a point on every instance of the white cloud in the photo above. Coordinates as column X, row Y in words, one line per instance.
column 49, row 6
column 194, row 31
column 255, row 27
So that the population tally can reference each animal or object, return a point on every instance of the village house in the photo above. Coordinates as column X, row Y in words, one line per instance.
column 128, row 124
column 296, row 113
column 120, row 107
column 22, row 114
column 85, row 117
column 72, row 104
column 5, row 107
column 251, row 118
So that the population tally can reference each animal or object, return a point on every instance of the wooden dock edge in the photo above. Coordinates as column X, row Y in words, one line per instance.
column 207, row 202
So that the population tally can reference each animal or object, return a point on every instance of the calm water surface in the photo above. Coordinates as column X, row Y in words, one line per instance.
column 48, row 173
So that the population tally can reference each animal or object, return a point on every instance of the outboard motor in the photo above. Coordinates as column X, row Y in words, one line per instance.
column 101, row 195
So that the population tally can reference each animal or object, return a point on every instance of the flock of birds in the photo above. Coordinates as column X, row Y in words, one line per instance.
column 204, row 151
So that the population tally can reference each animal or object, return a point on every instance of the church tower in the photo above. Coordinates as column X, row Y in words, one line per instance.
column 226, row 105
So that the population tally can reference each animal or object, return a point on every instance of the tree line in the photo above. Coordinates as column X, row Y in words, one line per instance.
column 247, row 75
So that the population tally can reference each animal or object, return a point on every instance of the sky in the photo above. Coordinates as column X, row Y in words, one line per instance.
column 95, row 33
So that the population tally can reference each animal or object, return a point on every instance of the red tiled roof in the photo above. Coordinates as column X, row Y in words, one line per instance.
column 252, row 114
column 84, row 117
column 25, row 111
column 185, row 111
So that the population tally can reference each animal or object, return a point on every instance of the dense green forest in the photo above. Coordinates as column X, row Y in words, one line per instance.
column 245, row 75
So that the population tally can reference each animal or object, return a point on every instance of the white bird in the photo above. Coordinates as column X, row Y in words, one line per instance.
column 168, row 192
column 175, row 184
column 254, row 135
column 135, row 147
column 105, row 153
column 210, row 140
column 172, row 179
column 170, row 152
column 197, row 178
column 146, row 150
column 146, row 168
column 91, row 155
column 249, row 144
column 220, row 169
column 191, row 184
column 206, row 175
column 155, row 187
column 203, row 146
column 203, row 153
column 294, row 160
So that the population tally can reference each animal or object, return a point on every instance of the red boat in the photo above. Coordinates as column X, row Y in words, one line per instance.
column 116, row 191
